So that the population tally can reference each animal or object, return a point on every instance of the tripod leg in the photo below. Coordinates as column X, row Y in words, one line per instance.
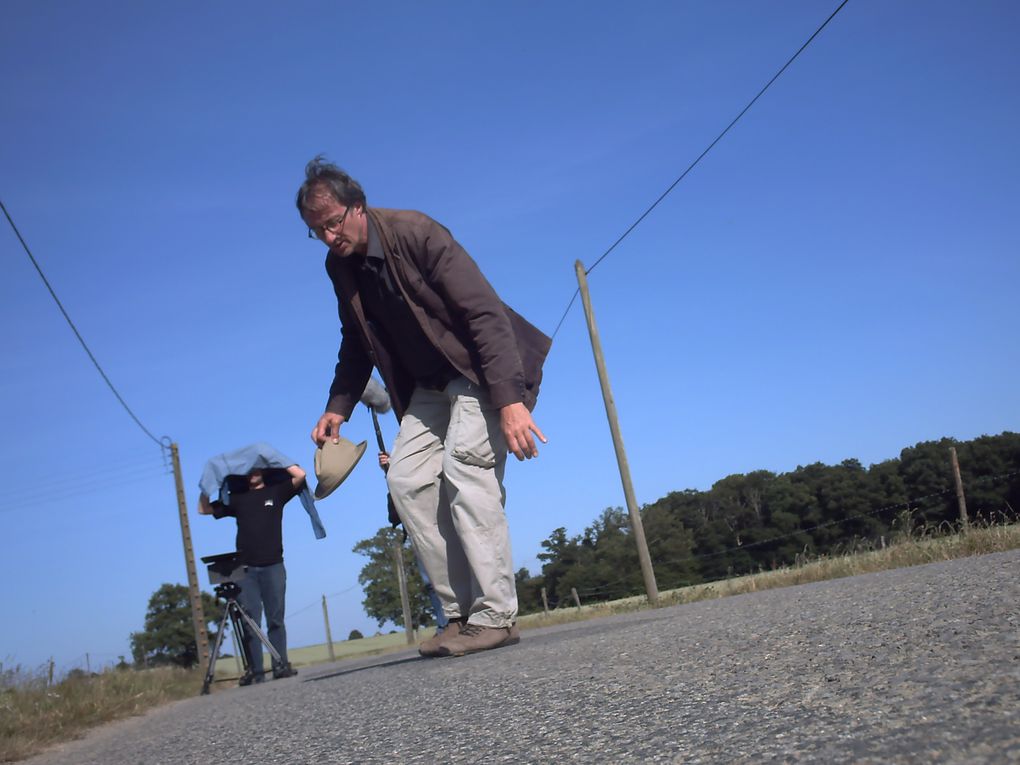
column 215, row 652
column 252, row 625
column 235, row 641
column 240, row 636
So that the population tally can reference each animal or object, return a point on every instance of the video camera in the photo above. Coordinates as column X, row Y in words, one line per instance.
column 225, row 571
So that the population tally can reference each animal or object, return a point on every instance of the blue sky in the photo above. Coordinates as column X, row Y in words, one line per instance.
column 836, row 279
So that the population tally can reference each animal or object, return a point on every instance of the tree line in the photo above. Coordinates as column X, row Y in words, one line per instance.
column 744, row 523
column 763, row 520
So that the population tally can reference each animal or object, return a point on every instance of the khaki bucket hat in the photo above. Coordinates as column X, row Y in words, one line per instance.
column 333, row 463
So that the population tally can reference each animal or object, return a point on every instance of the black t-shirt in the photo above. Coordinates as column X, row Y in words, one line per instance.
column 259, row 514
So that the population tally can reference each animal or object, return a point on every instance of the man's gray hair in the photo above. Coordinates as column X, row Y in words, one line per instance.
column 322, row 176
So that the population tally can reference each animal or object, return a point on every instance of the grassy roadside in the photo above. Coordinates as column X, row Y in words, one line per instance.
column 918, row 548
column 35, row 715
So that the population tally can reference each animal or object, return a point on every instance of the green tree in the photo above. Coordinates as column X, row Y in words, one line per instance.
column 670, row 543
column 560, row 556
column 984, row 464
column 169, row 634
column 607, row 563
column 529, row 591
column 789, row 503
column 379, row 578
column 927, row 474
column 764, row 520
column 888, row 491
column 355, row 635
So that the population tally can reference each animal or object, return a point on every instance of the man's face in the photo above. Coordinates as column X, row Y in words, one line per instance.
column 255, row 479
column 343, row 229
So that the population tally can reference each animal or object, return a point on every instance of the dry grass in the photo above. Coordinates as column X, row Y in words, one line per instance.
column 34, row 715
column 925, row 546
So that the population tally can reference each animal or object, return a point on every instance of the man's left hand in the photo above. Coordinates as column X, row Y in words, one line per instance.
column 515, row 419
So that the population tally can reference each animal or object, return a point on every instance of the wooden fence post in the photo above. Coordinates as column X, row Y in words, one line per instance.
column 329, row 635
column 545, row 601
column 577, row 600
column 961, row 501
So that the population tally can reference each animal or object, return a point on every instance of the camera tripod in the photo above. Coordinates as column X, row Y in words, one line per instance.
column 241, row 622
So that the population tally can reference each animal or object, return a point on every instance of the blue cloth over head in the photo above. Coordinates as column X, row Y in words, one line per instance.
column 242, row 461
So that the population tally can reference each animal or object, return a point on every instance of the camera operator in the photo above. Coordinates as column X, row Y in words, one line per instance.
column 259, row 515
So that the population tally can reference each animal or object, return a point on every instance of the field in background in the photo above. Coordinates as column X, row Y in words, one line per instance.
column 318, row 654
column 35, row 714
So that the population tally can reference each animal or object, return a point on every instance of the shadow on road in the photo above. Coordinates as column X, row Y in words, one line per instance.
column 374, row 665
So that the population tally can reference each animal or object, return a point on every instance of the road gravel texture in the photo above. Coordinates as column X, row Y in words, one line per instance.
column 917, row 665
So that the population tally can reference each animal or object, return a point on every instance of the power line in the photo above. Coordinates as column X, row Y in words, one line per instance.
column 59, row 494
column 318, row 602
column 74, row 329
column 718, row 138
column 110, row 470
column 566, row 311
column 701, row 156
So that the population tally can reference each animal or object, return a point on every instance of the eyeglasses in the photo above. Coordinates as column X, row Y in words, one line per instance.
column 332, row 226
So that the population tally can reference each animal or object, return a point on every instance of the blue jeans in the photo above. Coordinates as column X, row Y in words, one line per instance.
column 265, row 586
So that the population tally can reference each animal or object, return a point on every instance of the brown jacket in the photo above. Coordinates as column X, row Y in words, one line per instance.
column 457, row 308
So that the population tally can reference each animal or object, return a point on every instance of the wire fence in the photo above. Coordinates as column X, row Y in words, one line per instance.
column 630, row 583
column 318, row 603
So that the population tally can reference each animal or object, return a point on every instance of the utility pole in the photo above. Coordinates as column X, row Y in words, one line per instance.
column 614, row 427
column 197, row 613
column 405, row 603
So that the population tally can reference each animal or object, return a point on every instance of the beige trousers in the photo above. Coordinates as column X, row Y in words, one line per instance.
column 446, row 480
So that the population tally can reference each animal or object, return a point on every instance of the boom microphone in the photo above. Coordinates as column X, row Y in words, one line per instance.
column 375, row 397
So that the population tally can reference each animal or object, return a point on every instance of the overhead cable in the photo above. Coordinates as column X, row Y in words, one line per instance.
column 700, row 157
column 74, row 329
column 65, row 497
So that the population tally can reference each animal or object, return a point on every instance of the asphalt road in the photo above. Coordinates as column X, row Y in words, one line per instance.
column 918, row 665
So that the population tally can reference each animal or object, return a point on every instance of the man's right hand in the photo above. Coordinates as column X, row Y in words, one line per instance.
column 328, row 426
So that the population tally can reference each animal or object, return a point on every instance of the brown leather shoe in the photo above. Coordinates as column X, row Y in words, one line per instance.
column 474, row 638
column 431, row 646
